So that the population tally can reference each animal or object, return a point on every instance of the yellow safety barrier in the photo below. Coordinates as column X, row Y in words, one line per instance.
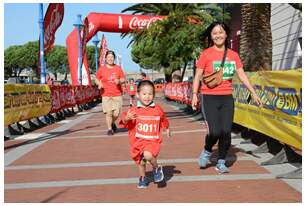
column 25, row 101
column 281, row 115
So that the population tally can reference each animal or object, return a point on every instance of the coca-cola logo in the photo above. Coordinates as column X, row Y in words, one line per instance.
column 91, row 27
column 138, row 23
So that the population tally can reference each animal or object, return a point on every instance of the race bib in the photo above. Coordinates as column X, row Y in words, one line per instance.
column 147, row 127
column 229, row 68
column 132, row 88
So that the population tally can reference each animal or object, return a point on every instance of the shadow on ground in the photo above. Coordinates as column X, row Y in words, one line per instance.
column 169, row 172
column 49, row 135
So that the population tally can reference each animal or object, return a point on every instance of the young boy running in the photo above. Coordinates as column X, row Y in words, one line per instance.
column 145, row 123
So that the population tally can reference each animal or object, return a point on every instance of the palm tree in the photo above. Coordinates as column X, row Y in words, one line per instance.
column 297, row 6
column 256, row 37
column 173, row 42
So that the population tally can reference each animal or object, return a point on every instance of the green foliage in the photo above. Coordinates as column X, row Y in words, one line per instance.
column 57, row 61
column 174, row 41
column 90, row 51
column 11, row 56
column 19, row 57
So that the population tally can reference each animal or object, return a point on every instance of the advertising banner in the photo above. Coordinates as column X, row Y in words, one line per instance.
column 25, row 101
column 281, row 94
column 281, row 114
column 56, row 99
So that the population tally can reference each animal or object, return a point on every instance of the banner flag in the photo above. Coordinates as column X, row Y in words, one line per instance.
column 52, row 20
column 103, row 50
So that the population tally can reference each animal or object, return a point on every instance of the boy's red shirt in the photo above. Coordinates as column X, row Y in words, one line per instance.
column 146, row 130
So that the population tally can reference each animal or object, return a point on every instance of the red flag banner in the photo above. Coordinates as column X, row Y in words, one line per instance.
column 84, row 33
column 103, row 50
column 52, row 20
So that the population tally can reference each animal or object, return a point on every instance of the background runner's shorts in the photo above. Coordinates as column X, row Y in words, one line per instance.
column 112, row 104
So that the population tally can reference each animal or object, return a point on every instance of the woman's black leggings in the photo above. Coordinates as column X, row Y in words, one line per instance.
column 218, row 111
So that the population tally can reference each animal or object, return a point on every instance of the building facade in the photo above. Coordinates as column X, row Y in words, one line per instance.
column 286, row 27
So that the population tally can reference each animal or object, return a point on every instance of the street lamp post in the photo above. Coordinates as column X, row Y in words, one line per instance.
column 78, row 25
column 96, row 42
column 41, row 45
column 120, row 60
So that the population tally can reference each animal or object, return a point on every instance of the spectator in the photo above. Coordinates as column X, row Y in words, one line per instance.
column 48, row 80
column 144, row 76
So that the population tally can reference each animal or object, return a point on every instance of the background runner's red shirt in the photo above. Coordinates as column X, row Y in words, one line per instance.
column 108, row 76
column 131, row 89
column 209, row 59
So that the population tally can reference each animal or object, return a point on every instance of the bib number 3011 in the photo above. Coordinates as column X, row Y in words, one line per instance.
column 147, row 127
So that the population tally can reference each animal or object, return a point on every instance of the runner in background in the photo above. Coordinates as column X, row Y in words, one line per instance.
column 145, row 123
column 131, row 90
column 110, row 78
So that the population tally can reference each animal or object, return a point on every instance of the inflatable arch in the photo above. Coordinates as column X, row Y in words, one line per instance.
column 94, row 22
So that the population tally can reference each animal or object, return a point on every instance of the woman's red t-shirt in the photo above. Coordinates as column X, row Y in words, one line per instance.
column 107, row 76
column 210, row 60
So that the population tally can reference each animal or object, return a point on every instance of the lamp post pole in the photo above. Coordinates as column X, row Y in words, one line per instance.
column 120, row 60
column 78, row 25
column 96, row 42
column 41, row 44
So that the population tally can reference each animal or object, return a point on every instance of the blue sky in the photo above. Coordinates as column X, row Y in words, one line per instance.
column 21, row 26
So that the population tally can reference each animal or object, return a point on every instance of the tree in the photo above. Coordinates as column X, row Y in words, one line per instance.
column 30, row 54
column 297, row 6
column 174, row 41
column 91, row 57
column 11, row 61
column 20, row 57
column 57, row 61
column 256, row 37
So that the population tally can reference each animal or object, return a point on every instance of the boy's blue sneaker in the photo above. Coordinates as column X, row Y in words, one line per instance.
column 143, row 182
column 220, row 167
column 158, row 174
column 204, row 158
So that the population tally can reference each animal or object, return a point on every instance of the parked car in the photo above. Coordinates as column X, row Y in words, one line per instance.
column 159, row 81
column 137, row 81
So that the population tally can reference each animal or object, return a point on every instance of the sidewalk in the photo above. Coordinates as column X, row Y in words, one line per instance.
column 75, row 161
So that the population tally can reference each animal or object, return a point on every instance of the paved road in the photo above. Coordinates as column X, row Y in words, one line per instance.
column 75, row 161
